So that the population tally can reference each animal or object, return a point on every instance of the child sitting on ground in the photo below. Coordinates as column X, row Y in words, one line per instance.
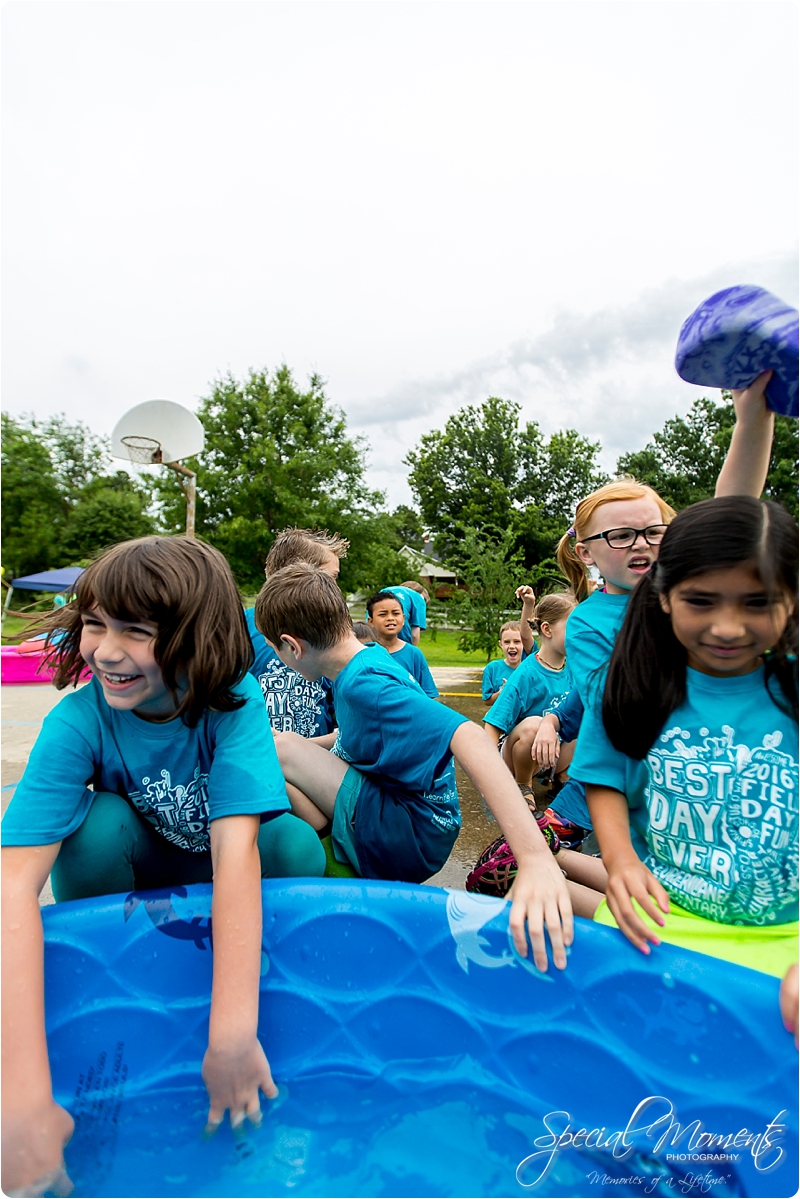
column 386, row 621
column 295, row 705
column 541, row 682
column 389, row 786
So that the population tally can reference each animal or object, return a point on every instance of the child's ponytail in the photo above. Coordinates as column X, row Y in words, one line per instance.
column 572, row 568
column 551, row 608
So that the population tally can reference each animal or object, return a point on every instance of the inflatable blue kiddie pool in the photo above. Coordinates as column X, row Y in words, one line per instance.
column 416, row 1054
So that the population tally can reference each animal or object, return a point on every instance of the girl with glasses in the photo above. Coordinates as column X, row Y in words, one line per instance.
column 619, row 528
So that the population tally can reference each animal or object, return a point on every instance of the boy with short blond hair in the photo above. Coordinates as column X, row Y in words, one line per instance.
column 389, row 784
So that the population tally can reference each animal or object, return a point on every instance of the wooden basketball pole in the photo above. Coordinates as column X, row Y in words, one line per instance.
column 187, row 484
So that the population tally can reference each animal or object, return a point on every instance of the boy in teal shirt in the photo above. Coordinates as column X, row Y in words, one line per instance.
column 389, row 784
column 386, row 620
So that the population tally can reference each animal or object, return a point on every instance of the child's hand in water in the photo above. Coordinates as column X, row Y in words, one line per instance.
column 234, row 1077
column 789, row 1001
column 540, row 896
column 629, row 879
column 33, row 1150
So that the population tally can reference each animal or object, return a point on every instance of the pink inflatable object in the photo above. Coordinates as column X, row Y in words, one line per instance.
column 27, row 668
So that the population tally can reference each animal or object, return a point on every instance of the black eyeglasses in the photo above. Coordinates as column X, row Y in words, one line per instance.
column 622, row 539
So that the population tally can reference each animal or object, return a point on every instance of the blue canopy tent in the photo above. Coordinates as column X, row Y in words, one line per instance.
column 47, row 580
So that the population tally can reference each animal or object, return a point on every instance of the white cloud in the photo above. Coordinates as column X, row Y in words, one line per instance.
column 609, row 374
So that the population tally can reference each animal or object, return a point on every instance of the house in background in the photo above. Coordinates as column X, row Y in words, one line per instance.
column 439, row 580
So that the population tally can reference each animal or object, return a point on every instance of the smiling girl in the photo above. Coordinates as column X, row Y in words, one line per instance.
column 691, row 771
column 162, row 771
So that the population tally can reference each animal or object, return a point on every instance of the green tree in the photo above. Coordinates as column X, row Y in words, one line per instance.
column 491, row 568
column 484, row 471
column 408, row 527
column 78, row 455
column 58, row 505
column 274, row 456
column 683, row 460
column 34, row 508
column 109, row 510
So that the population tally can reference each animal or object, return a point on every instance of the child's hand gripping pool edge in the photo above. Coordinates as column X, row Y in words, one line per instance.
column 235, row 1067
column 539, row 895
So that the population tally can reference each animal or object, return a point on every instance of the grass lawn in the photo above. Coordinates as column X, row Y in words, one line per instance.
column 14, row 629
column 444, row 651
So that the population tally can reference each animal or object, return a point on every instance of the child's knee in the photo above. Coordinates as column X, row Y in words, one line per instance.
column 524, row 733
column 290, row 848
column 287, row 746
column 95, row 859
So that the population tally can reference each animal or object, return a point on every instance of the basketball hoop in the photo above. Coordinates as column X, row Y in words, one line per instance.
column 175, row 433
column 142, row 450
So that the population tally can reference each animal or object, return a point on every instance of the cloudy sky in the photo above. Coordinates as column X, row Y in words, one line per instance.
column 425, row 202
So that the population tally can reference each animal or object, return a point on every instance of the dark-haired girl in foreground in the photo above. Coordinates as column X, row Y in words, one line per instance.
column 691, row 773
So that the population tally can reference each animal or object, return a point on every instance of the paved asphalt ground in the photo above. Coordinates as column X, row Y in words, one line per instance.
column 25, row 707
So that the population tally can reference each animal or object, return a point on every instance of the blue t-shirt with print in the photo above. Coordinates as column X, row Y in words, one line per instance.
column 592, row 629
column 294, row 704
column 532, row 690
column 407, row 815
column 178, row 778
column 413, row 660
column 713, row 807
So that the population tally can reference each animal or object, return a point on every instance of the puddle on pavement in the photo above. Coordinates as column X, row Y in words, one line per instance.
column 478, row 826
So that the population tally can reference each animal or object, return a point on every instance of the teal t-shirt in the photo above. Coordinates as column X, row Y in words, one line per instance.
column 407, row 816
column 177, row 777
column 592, row 629
column 495, row 674
column 413, row 660
column 532, row 690
column 713, row 807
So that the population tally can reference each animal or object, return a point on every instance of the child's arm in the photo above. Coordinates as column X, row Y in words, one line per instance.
column 744, row 471
column 628, row 877
column 547, row 741
column 326, row 740
column 235, row 1066
column 494, row 733
column 788, row 1001
column 35, row 1127
column 539, row 893
column 528, row 604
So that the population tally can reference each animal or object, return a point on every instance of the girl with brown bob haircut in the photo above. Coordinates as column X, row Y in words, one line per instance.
column 186, row 589
column 161, row 772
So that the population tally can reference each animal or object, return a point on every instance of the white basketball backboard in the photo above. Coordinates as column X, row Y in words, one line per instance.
column 175, row 428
